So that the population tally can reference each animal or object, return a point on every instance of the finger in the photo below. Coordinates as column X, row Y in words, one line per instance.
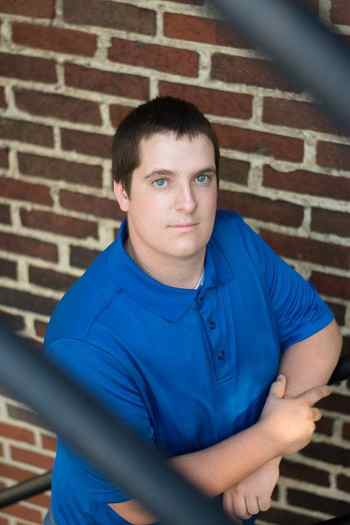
column 227, row 504
column 315, row 394
column 252, row 505
column 264, row 503
column 278, row 387
column 316, row 414
column 239, row 507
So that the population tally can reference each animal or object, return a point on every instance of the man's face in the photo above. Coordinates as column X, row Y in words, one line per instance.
column 172, row 202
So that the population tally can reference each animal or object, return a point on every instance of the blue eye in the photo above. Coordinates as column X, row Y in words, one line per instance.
column 160, row 183
column 203, row 179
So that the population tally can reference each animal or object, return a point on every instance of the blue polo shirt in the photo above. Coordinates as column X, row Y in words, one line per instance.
column 186, row 368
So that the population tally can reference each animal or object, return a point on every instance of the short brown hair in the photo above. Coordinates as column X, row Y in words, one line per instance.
column 162, row 114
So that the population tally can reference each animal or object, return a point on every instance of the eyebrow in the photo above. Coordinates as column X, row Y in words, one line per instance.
column 163, row 172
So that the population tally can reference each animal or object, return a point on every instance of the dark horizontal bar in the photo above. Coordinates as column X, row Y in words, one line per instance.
column 341, row 520
column 25, row 489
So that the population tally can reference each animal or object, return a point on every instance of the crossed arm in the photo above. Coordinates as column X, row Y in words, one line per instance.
column 305, row 364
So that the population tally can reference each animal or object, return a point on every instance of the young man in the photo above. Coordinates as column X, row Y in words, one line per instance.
column 182, row 324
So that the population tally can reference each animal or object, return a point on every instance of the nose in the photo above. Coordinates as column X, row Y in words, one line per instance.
column 186, row 199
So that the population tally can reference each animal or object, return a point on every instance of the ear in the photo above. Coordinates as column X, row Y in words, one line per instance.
column 121, row 196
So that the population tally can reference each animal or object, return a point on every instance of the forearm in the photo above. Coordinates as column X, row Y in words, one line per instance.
column 215, row 469
column 312, row 361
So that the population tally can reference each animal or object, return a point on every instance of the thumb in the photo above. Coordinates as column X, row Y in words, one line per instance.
column 315, row 394
column 278, row 387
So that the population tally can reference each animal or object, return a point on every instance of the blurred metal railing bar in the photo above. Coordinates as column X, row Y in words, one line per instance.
column 305, row 50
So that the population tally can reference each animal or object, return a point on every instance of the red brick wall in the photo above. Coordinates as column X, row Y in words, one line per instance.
column 69, row 71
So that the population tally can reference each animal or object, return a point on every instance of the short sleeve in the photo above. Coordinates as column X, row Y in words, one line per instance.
column 298, row 309
column 106, row 376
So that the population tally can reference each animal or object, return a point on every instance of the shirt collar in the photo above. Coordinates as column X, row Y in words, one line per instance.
column 167, row 302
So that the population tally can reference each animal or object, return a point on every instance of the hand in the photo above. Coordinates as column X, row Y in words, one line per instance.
column 253, row 494
column 290, row 422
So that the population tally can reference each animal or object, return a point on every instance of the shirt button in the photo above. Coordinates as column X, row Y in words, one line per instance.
column 221, row 355
column 211, row 324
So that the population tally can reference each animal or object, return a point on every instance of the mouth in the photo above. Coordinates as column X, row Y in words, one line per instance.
column 187, row 226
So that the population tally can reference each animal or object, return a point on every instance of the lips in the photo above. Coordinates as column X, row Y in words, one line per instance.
column 183, row 226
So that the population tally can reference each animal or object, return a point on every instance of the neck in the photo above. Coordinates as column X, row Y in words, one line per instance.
column 177, row 272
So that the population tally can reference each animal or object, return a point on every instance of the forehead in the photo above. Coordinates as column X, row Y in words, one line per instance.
column 167, row 151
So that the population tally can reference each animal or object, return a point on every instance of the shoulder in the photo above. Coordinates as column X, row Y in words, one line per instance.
column 89, row 298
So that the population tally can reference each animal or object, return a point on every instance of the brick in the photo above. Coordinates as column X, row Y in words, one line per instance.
column 16, row 433
column 204, row 30
column 296, row 114
column 26, row 513
column 118, row 84
column 27, row 68
column 234, row 170
column 268, row 144
column 19, row 413
column 50, row 279
column 327, row 221
column 329, row 453
column 40, row 328
column 262, row 208
column 340, row 12
column 42, row 500
column 346, row 346
column 35, row 8
column 5, row 216
column 305, row 249
column 8, row 269
column 332, row 285
column 343, row 483
column 26, row 246
column 325, row 426
column 26, row 301
column 303, row 472
column 118, row 113
column 58, row 106
column 87, row 143
column 346, row 431
column 105, row 13
column 96, row 206
column 13, row 321
column 275, row 515
column 333, row 155
column 60, row 169
column 4, row 158
column 307, row 182
column 4, row 521
column 3, row 103
column 161, row 58
column 26, row 132
column 54, row 39
column 25, row 191
column 31, row 458
column 336, row 403
column 82, row 257
column 317, row 503
column 48, row 442
column 339, row 311
column 15, row 473
column 213, row 101
column 247, row 71
column 59, row 224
